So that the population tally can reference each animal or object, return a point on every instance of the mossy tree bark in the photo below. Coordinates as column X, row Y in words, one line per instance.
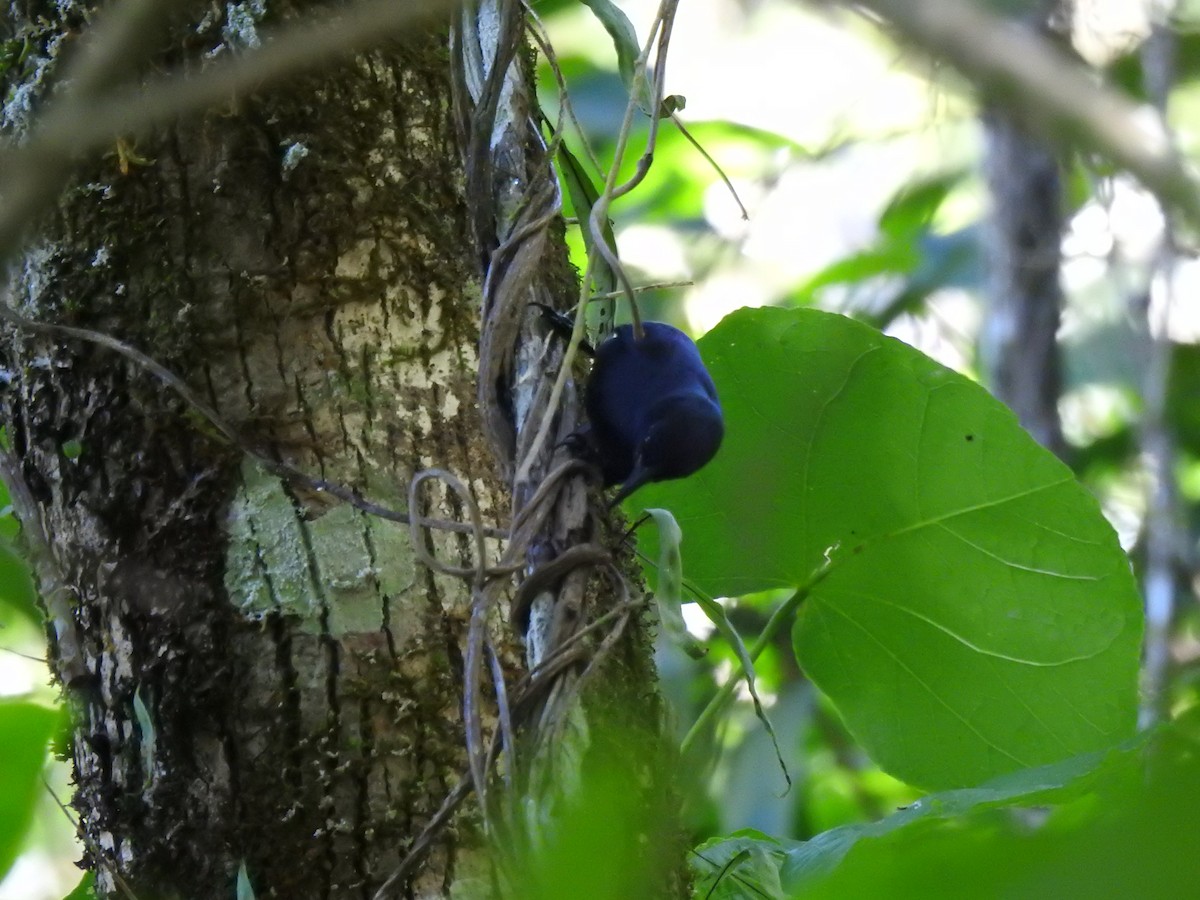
column 260, row 675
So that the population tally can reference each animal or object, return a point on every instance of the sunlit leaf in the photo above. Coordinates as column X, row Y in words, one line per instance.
column 17, row 592
column 891, row 259
column 83, row 890
column 916, row 258
column 584, row 195
column 978, row 615
column 913, row 207
column 944, row 260
column 675, row 190
column 624, row 39
column 25, row 730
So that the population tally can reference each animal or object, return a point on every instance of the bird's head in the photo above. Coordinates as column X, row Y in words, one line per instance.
column 683, row 433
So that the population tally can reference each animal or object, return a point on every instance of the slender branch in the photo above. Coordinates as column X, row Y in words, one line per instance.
column 1054, row 96
column 716, row 166
column 96, row 852
column 1163, row 535
column 641, row 289
column 420, row 846
column 542, row 38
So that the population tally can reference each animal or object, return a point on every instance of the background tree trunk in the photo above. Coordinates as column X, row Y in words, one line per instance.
column 1019, row 340
column 260, row 676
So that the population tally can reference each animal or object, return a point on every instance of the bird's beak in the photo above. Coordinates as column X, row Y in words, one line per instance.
column 639, row 476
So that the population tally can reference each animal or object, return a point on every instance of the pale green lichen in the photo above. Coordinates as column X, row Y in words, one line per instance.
column 268, row 566
column 354, row 585
column 264, row 537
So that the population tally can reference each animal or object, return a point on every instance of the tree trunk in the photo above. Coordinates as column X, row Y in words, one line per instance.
column 262, row 676
column 1019, row 343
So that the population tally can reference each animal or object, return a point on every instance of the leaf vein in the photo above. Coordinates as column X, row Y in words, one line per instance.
column 970, row 645
column 932, row 693
column 1012, row 563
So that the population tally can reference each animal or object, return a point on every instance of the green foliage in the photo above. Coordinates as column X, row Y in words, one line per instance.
column 1114, row 824
column 83, row 890
column 621, row 30
column 604, row 844
column 25, row 730
column 910, row 250
column 1127, row 71
column 583, row 195
column 1183, row 389
column 17, row 594
column 746, row 864
column 978, row 616
column 674, row 190
column 968, row 608
column 10, row 52
column 955, row 593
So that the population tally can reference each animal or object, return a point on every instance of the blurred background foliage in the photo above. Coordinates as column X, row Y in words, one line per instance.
column 37, row 847
column 859, row 163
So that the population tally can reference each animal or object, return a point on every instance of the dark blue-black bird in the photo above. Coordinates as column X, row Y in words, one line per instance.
column 652, row 407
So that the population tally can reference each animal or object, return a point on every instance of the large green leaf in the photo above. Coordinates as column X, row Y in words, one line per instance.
column 977, row 614
column 1105, row 825
column 1125, row 830
column 1060, row 783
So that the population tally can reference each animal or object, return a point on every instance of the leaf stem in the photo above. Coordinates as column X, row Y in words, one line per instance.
column 781, row 617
